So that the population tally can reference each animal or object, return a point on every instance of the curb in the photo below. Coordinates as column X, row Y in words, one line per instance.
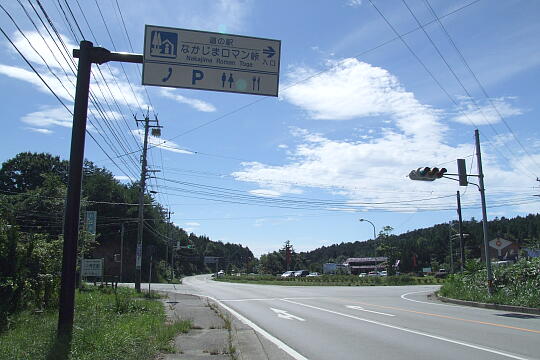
column 521, row 309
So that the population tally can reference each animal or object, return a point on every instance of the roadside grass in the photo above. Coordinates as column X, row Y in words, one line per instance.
column 517, row 284
column 107, row 325
column 333, row 280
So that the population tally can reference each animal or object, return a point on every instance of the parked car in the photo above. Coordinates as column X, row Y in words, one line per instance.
column 442, row 273
column 287, row 274
column 383, row 273
column 373, row 273
column 313, row 274
column 362, row 275
column 220, row 273
column 301, row 273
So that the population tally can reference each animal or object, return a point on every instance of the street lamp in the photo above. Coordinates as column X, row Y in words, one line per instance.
column 374, row 232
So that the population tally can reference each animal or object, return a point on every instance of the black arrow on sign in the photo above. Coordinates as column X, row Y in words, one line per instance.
column 269, row 51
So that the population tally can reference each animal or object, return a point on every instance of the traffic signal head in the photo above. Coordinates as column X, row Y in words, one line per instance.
column 427, row 174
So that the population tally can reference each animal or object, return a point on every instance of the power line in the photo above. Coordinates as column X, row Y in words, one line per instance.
column 456, row 77
column 465, row 62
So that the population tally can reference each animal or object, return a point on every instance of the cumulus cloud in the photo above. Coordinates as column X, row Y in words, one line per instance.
column 487, row 113
column 371, row 173
column 194, row 103
column 351, row 89
column 49, row 116
column 107, row 84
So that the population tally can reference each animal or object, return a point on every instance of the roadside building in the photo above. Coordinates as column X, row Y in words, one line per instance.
column 333, row 268
column 366, row 264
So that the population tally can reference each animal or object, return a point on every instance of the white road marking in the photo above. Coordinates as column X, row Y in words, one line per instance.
column 285, row 315
column 404, row 297
column 289, row 350
column 267, row 299
column 355, row 307
column 458, row 342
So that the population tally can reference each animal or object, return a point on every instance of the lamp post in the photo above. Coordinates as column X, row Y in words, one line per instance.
column 374, row 232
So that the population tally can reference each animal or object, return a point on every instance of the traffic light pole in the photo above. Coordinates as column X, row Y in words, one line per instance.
column 460, row 224
column 87, row 54
column 484, row 212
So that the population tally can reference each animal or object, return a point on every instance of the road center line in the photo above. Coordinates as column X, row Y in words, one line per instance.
column 478, row 347
column 449, row 317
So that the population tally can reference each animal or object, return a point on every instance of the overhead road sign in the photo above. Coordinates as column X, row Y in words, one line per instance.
column 193, row 59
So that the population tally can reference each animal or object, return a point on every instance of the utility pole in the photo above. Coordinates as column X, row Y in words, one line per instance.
column 121, row 252
column 484, row 212
column 451, row 250
column 460, row 224
column 142, row 189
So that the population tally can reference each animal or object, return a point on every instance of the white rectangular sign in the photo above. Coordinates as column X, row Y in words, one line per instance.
column 193, row 59
column 92, row 267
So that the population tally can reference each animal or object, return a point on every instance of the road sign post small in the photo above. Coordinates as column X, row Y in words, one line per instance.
column 193, row 59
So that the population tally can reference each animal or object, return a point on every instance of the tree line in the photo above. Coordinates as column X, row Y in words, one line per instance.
column 32, row 194
column 415, row 250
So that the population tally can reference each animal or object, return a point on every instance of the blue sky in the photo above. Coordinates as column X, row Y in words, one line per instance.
column 358, row 108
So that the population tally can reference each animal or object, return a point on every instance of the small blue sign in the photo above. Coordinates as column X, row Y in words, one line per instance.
column 164, row 44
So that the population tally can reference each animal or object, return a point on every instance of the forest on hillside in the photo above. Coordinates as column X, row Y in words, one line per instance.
column 428, row 247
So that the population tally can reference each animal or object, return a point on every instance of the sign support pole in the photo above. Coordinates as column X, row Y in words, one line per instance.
column 87, row 55
column 73, row 201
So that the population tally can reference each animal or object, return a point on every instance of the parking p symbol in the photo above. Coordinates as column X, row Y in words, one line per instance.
column 196, row 76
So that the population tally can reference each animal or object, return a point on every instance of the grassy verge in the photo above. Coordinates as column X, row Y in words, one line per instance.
column 333, row 280
column 107, row 326
column 517, row 285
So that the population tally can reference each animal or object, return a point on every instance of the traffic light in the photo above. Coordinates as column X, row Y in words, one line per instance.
column 427, row 174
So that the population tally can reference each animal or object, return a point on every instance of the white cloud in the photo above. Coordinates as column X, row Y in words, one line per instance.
column 351, row 89
column 49, row 116
column 160, row 143
column 265, row 193
column 30, row 77
column 41, row 131
column 372, row 173
column 122, row 178
column 194, row 103
column 354, row 3
column 471, row 114
column 63, row 81
column 194, row 224
column 283, row 146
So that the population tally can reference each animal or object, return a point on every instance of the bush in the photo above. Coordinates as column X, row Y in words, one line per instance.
column 518, row 284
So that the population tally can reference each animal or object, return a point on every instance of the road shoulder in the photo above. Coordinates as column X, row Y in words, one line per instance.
column 216, row 333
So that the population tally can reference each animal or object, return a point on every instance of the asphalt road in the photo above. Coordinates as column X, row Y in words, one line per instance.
column 379, row 322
